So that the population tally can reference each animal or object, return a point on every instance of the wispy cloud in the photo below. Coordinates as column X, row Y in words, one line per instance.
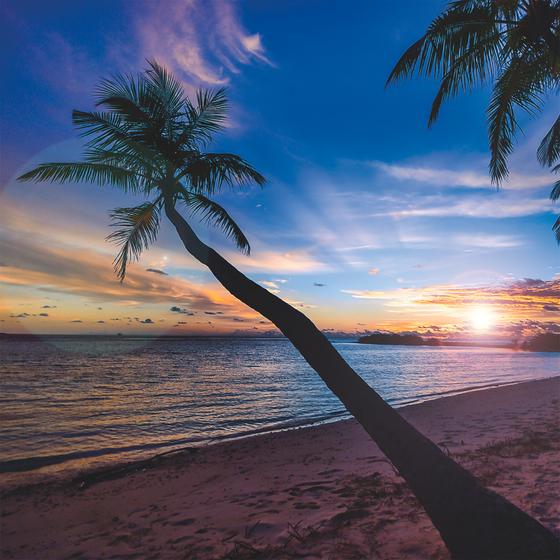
column 87, row 273
column 488, row 241
column 444, row 177
column 528, row 295
column 501, row 205
column 203, row 42
column 291, row 262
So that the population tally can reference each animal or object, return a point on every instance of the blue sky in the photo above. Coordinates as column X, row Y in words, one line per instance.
column 367, row 218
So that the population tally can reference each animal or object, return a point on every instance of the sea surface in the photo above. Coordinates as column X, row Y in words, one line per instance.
column 69, row 403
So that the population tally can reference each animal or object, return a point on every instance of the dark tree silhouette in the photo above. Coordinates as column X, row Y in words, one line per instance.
column 151, row 140
column 514, row 44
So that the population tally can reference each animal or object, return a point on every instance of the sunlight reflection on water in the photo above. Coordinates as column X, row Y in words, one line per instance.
column 75, row 401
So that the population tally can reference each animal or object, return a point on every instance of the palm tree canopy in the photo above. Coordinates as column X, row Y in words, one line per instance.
column 514, row 44
column 150, row 139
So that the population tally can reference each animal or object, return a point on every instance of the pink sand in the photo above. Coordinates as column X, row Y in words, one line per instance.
column 320, row 492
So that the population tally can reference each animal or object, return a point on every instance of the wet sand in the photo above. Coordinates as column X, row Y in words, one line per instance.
column 316, row 492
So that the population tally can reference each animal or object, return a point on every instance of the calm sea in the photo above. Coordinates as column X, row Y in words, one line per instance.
column 71, row 402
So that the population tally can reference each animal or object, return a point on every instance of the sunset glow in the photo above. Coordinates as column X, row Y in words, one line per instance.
column 359, row 227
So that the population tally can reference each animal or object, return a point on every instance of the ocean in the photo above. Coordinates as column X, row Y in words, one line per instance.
column 74, row 402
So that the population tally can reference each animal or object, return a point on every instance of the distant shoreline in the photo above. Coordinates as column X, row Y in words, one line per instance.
column 378, row 339
column 547, row 342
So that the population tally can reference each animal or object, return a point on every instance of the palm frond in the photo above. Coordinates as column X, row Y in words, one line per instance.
column 521, row 86
column 451, row 35
column 125, row 86
column 148, row 136
column 556, row 229
column 109, row 131
column 210, row 172
column 137, row 102
column 470, row 69
column 214, row 214
column 105, row 127
column 549, row 149
column 137, row 230
column 167, row 89
column 84, row 172
column 512, row 42
column 555, row 193
column 205, row 118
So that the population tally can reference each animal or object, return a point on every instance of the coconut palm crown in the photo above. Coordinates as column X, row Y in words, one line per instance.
column 150, row 140
column 513, row 44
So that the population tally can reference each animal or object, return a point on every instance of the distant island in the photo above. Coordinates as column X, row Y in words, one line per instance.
column 398, row 339
column 546, row 342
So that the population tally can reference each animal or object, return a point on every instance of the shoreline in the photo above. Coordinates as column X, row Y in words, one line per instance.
column 320, row 491
column 73, row 473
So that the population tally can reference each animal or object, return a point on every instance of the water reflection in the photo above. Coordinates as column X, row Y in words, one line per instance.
column 75, row 401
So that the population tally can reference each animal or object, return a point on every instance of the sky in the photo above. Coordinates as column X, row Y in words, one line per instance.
column 369, row 219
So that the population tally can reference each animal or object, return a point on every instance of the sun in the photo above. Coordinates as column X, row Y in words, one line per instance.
column 482, row 319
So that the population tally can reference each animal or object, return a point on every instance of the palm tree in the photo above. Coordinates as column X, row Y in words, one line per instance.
column 151, row 141
column 514, row 44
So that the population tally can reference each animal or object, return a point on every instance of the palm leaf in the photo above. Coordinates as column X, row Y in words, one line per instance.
column 205, row 118
column 214, row 214
column 149, row 136
column 549, row 149
column 137, row 230
column 210, row 172
column 515, row 43
column 109, row 131
column 519, row 85
column 470, row 69
column 84, row 172
column 450, row 35
column 166, row 89
column 555, row 193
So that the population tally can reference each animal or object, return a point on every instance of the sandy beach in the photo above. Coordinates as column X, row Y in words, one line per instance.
column 316, row 492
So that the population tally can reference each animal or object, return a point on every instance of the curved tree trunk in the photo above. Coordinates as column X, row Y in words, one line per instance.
column 475, row 523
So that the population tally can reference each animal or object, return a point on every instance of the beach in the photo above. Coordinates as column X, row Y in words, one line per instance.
column 315, row 492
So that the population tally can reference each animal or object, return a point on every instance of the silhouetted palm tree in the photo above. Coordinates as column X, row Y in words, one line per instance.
column 514, row 44
column 151, row 140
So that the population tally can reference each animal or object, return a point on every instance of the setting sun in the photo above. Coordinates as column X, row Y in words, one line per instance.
column 482, row 319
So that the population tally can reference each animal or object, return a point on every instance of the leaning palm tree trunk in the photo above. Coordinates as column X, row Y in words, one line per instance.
column 474, row 522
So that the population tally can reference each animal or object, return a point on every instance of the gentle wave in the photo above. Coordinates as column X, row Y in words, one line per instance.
column 73, row 402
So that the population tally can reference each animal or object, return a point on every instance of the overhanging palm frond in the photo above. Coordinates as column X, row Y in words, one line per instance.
column 210, row 172
column 137, row 230
column 519, row 85
column 470, row 69
column 555, row 194
column 84, row 172
column 214, row 214
column 453, row 34
column 515, row 43
column 549, row 149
